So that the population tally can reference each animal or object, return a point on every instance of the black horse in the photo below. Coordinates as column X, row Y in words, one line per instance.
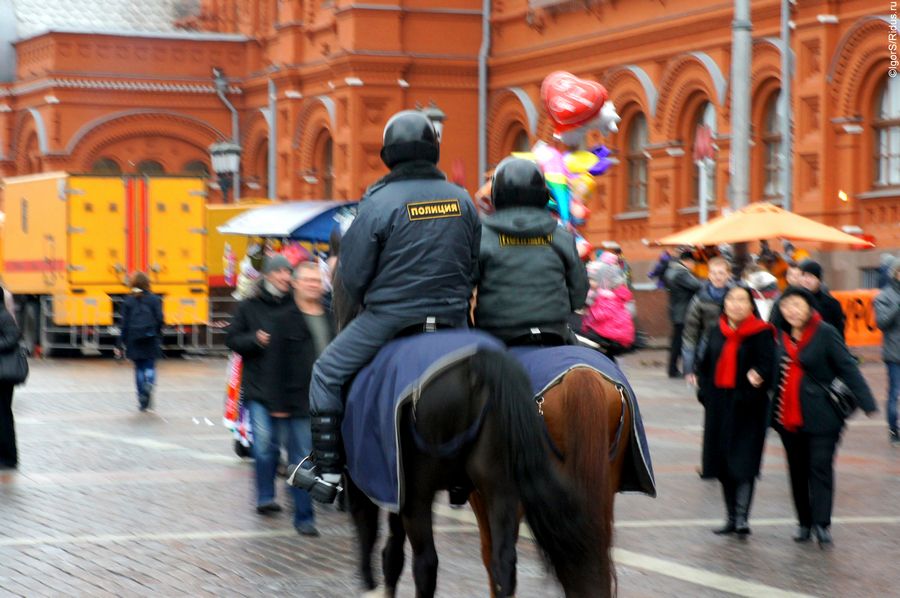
column 508, row 462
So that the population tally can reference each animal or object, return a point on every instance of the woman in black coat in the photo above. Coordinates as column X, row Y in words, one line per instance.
column 141, row 325
column 811, row 353
column 9, row 341
column 734, row 374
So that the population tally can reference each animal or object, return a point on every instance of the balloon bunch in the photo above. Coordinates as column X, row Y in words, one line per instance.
column 575, row 106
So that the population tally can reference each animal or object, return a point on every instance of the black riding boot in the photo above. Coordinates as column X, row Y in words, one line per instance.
column 322, row 481
column 742, row 496
column 728, row 493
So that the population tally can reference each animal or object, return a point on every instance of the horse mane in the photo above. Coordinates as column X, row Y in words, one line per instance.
column 586, row 401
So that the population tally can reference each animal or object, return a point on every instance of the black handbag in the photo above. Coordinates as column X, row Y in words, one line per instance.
column 14, row 366
column 841, row 397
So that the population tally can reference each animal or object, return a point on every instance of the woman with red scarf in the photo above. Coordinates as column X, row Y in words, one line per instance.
column 811, row 353
column 734, row 374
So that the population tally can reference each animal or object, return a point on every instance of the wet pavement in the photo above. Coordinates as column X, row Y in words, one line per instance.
column 112, row 502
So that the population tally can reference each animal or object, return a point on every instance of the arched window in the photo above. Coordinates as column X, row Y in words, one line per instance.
column 106, row 166
column 521, row 142
column 149, row 167
column 773, row 181
column 886, row 122
column 704, row 172
column 196, row 168
column 636, row 160
column 325, row 166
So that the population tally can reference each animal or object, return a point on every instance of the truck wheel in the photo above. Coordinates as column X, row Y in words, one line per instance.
column 30, row 322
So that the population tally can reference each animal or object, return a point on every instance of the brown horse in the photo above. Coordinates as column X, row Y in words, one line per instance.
column 589, row 423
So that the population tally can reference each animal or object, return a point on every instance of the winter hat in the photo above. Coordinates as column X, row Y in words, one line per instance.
column 761, row 280
column 893, row 266
column 811, row 267
column 608, row 257
column 276, row 262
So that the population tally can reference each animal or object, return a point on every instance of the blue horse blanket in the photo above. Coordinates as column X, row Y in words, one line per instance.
column 396, row 376
column 547, row 366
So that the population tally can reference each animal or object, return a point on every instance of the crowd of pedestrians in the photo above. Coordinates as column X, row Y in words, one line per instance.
column 766, row 353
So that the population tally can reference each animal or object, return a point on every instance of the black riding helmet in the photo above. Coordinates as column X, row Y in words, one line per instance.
column 519, row 183
column 408, row 136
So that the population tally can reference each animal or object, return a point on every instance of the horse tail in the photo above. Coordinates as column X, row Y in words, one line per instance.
column 586, row 401
column 554, row 511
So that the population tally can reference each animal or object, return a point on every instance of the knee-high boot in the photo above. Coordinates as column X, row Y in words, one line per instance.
column 322, row 482
column 743, row 495
column 728, row 492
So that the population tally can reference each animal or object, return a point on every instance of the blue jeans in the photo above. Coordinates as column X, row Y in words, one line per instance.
column 893, row 369
column 269, row 435
column 145, row 378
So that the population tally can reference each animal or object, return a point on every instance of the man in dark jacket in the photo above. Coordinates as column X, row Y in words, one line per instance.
column 409, row 255
column 530, row 275
column 703, row 312
column 141, row 335
column 279, row 334
column 681, row 284
column 887, row 317
column 829, row 307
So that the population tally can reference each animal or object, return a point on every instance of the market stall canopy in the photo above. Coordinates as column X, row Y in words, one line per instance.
column 757, row 222
column 311, row 220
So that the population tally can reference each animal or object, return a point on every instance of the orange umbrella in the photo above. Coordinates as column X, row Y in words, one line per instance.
column 756, row 222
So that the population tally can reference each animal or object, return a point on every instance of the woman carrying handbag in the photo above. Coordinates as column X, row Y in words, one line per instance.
column 13, row 371
column 735, row 373
column 811, row 354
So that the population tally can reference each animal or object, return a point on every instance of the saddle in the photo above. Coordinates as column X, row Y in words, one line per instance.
column 538, row 336
column 429, row 324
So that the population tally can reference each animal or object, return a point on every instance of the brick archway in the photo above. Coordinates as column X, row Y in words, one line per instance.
column 171, row 138
column 313, row 123
column 507, row 117
column 684, row 77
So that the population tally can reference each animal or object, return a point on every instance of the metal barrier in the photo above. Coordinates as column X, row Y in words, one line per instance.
column 91, row 336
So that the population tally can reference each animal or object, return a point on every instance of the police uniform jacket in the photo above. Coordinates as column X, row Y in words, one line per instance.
column 529, row 272
column 412, row 250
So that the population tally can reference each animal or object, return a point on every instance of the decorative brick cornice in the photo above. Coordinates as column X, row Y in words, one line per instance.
column 116, row 85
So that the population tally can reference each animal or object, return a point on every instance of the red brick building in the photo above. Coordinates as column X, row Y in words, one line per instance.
column 93, row 85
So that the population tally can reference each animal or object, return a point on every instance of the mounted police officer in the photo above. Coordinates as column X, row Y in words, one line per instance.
column 530, row 276
column 408, row 258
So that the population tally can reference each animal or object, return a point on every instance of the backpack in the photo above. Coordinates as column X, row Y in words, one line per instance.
column 143, row 323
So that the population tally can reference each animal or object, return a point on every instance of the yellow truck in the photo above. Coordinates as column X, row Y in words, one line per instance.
column 69, row 242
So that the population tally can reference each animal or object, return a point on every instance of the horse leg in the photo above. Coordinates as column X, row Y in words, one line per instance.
column 419, row 525
column 392, row 556
column 365, row 518
column 476, row 501
column 504, row 521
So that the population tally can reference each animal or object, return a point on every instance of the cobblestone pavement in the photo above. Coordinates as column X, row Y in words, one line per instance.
column 112, row 502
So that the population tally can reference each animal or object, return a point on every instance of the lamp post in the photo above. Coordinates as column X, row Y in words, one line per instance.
column 221, row 84
column 226, row 162
column 436, row 116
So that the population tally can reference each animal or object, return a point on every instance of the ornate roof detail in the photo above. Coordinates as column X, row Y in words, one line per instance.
column 37, row 16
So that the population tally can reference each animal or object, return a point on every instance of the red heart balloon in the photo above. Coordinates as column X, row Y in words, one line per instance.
column 570, row 100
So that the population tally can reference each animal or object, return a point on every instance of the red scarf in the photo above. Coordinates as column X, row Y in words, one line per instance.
column 727, row 365
column 791, row 413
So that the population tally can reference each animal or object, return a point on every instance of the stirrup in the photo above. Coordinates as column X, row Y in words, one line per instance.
column 318, row 489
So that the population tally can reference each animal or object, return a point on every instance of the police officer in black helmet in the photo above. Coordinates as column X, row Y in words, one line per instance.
column 409, row 255
column 530, row 277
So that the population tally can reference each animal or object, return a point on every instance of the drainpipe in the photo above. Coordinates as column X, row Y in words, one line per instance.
column 483, row 54
column 741, row 53
column 787, row 73
column 273, row 142
column 221, row 88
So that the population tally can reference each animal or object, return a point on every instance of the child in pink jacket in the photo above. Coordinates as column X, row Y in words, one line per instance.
column 609, row 319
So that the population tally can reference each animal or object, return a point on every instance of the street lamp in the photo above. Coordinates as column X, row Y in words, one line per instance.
column 226, row 162
column 436, row 116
